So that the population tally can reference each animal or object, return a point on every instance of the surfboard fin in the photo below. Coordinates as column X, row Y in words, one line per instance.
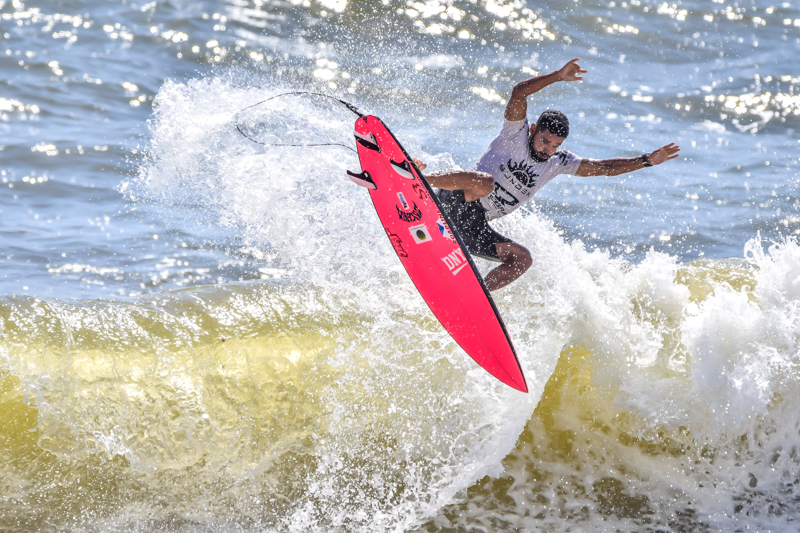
column 404, row 169
column 363, row 179
column 367, row 141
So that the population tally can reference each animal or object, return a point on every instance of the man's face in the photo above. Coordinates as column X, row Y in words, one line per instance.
column 543, row 144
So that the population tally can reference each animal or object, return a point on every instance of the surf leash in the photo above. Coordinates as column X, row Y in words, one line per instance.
column 348, row 105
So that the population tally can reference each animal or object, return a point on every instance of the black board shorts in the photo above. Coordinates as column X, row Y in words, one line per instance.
column 469, row 218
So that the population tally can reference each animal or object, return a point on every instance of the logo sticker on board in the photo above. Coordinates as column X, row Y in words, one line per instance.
column 421, row 191
column 420, row 234
column 444, row 229
column 397, row 242
column 402, row 201
column 455, row 261
column 410, row 216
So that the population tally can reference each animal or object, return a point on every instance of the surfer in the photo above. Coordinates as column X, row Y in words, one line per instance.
column 518, row 162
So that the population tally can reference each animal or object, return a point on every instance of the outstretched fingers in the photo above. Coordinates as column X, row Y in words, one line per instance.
column 572, row 71
column 672, row 150
column 665, row 153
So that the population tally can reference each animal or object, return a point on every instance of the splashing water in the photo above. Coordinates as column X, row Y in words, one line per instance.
column 330, row 399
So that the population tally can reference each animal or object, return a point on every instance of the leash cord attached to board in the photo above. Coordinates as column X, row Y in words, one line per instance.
column 348, row 105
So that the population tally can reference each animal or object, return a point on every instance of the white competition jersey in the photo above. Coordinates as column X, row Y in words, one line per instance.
column 516, row 174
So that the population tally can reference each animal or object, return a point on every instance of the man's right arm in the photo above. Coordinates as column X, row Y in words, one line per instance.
column 623, row 165
column 517, row 107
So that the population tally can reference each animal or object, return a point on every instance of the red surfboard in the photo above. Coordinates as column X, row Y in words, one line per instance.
column 432, row 252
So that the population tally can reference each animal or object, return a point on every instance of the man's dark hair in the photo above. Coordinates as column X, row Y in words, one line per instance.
column 554, row 121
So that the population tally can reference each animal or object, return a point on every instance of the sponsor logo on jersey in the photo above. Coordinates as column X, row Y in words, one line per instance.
column 502, row 198
column 402, row 201
column 523, row 172
column 397, row 242
column 410, row 216
column 444, row 229
column 455, row 261
column 562, row 158
column 420, row 234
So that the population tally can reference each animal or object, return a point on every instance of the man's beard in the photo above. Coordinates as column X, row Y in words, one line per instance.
column 540, row 157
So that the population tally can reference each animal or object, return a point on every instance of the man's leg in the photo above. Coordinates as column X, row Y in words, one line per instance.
column 474, row 184
column 481, row 240
column 516, row 260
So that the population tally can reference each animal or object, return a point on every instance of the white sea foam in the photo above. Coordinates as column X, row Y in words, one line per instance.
column 675, row 353
column 300, row 205
column 717, row 374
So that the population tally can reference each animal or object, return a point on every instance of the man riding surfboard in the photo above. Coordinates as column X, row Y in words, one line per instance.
column 518, row 162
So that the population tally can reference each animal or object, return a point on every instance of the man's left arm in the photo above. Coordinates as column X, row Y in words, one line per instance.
column 622, row 165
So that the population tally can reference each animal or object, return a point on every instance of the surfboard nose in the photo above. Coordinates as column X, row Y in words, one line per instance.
column 517, row 382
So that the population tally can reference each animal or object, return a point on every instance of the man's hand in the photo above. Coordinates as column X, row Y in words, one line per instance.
column 571, row 71
column 420, row 165
column 517, row 106
column 665, row 153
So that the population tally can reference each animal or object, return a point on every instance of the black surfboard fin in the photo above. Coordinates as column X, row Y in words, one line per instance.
column 363, row 179
column 367, row 141
column 404, row 169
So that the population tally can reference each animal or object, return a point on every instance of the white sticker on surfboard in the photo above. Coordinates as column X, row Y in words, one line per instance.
column 420, row 234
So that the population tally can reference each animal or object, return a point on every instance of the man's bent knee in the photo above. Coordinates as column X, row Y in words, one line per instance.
column 516, row 260
column 525, row 260
column 514, row 255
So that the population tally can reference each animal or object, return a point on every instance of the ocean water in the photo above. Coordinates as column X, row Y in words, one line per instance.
column 203, row 333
